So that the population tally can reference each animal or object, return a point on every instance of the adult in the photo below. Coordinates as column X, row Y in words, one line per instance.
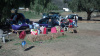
column 17, row 17
column 75, row 19
column 50, row 24
column 13, row 21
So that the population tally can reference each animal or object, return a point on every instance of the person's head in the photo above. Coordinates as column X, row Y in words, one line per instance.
column 12, row 10
column 67, row 20
column 49, row 20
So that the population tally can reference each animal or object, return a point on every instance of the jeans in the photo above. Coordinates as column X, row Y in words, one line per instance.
column 75, row 22
column 72, row 24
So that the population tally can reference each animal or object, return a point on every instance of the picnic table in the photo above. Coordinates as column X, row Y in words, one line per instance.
column 18, row 31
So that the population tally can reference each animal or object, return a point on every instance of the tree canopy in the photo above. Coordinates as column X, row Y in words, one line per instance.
column 36, row 5
column 7, row 5
column 88, row 6
column 41, row 6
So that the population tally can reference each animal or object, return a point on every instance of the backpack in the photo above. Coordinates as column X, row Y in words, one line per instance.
column 22, row 35
column 75, row 31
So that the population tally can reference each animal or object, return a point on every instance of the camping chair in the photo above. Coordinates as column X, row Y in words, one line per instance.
column 66, row 26
column 2, row 36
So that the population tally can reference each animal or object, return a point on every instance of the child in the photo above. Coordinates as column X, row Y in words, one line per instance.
column 71, row 25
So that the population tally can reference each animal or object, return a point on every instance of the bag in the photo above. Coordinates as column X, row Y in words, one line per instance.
column 42, row 29
column 65, row 29
column 58, row 28
column 22, row 35
column 53, row 30
column 62, row 30
column 34, row 32
column 44, row 32
column 75, row 31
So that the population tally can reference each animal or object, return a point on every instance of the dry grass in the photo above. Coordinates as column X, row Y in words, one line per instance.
column 42, row 37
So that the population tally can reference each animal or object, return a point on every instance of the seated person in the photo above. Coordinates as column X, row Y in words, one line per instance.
column 71, row 25
column 63, row 23
column 15, row 17
column 31, row 26
column 50, row 23
column 13, row 21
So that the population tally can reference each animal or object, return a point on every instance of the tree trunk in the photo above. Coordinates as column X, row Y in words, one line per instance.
column 0, row 16
column 88, row 15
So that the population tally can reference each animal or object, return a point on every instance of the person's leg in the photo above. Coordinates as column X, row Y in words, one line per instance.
column 76, row 22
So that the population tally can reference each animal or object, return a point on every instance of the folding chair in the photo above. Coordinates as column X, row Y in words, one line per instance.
column 2, row 36
column 66, row 26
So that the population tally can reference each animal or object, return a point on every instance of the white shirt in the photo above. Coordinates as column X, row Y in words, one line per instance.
column 36, row 24
column 76, row 17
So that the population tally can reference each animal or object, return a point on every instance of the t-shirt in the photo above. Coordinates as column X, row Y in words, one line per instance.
column 75, row 17
column 49, row 24
column 70, row 21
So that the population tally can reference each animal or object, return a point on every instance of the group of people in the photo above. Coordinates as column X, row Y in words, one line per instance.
column 18, row 18
column 69, row 22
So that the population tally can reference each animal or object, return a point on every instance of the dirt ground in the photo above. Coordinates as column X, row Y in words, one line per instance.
column 84, row 43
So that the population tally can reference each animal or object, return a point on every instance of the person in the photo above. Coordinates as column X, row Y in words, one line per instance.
column 13, row 21
column 31, row 26
column 50, row 23
column 15, row 16
column 75, row 19
column 70, row 23
column 66, row 17
column 64, row 22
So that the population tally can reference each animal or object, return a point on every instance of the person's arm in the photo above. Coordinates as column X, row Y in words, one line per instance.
column 76, row 17
column 14, row 18
column 22, row 15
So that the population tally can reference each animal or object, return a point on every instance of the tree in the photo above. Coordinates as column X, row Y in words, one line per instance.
column 64, row 1
column 41, row 6
column 7, row 5
column 51, row 6
column 88, row 6
column 37, row 5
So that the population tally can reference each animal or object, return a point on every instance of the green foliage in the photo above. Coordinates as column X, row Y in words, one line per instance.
column 84, row 5
column 64, row 1
column 38, row 6
column 31, row 15
column 6, row 6
column 41, row 6
column 51, row 6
